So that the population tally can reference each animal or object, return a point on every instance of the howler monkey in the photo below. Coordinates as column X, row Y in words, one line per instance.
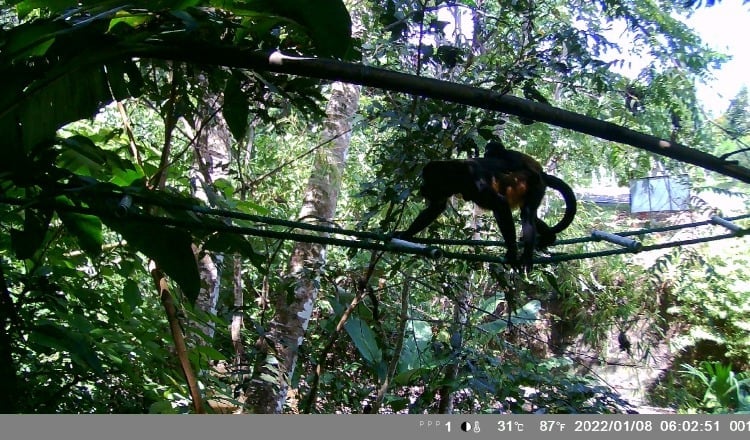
column 500, row 181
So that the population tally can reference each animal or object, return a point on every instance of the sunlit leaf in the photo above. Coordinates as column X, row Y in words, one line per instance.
column 87, row 229
column 364, row 340
column 415, row 352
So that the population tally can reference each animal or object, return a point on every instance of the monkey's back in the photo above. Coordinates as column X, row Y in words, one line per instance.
column 510, row 177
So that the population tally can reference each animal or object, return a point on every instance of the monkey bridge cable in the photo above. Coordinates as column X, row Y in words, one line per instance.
column 375, row 241
column 618, row 238
column 334, row 70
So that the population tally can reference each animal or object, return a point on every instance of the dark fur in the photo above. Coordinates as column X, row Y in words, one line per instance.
column 500, row 182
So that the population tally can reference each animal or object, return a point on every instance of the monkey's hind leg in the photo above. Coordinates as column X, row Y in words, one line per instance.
column 504, row 219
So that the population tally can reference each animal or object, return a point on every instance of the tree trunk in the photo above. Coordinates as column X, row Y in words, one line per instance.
column 295, row 306
column 212, row 144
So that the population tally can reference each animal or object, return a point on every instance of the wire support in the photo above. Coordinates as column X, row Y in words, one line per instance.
column 371, row 241
column 431, row 241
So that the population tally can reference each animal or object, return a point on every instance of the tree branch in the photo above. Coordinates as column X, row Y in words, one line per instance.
column 334, row 70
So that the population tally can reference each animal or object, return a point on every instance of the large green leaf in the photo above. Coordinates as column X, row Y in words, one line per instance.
column 26, row 242
column 73, row 85
column 407, row 376
column 232, row 243
column 131, row 294
column 69, row 97
column 169, row 247
column 30, row 40
column 236, row 107
column 416, row 351
column 364, row 340
column 327, row 22
column 204, row 352
column 77, row 344
column 81, row 155
column 87, row 229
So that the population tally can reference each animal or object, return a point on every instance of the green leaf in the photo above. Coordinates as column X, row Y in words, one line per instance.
column 494, row 327
column 396, row 404
column 116, row 360
column 526, row 315
column 407, row 376
column 125, row 79
column 209, row 353
column 327, row 22
column 71, row 95
column 81, row 324
column 78, row 345
column 170, row 248
column 529, row 313
column 252, row 207
column 236, row 107
column 232, row 243
column 80, row 153
column 416, row 351
column 132, row 21
column 26, row 7
column 162, row 407
column 87, row 229
column 131, row 294
column 489, row 305
column 31, row 39
column 25, row 243
column 364, row 340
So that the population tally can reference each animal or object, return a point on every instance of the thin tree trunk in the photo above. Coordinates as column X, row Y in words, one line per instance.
column 460, row 319
column 269, row 389
column 167, row 301
column 159, row 180
column 238, row 313
column 212, row 144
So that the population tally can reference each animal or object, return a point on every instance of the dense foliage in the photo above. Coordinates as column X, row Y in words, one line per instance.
column 105, row 177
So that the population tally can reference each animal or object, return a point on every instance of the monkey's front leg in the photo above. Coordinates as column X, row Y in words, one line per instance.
column 428, row 215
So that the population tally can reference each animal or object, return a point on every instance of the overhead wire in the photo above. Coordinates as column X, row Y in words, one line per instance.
column 366, row 240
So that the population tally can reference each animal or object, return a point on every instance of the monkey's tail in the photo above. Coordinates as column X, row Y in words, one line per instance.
column 571, row 205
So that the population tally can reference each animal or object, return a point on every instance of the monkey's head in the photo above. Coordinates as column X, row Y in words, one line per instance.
column 494, row 149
